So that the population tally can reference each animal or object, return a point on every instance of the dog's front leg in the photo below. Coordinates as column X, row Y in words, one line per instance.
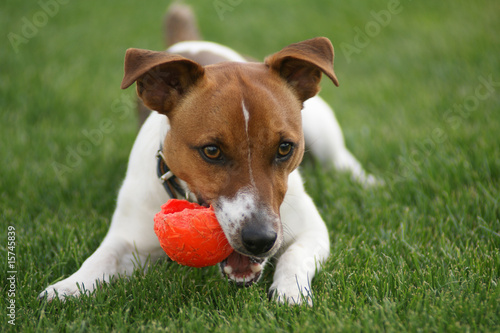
column 296, row 268
column 130, row 242
column 306, row 247
column 113, row 257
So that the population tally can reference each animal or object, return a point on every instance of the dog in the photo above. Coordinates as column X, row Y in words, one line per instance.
column 230, row 134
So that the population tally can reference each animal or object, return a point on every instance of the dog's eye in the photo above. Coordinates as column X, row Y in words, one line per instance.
column 212, row 152
column 285, row 150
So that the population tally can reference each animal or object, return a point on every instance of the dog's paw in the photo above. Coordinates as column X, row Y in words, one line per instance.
column 62, row 290
column 291, row 294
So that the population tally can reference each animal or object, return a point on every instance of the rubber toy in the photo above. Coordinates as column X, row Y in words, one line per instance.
column 190, row 234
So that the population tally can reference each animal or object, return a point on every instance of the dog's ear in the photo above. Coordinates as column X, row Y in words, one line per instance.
column 162, row 78
column 301, row 64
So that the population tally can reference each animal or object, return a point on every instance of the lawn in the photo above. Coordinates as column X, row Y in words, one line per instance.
column 419, row 104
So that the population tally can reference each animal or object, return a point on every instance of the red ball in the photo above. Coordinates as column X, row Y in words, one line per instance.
column 190, row 234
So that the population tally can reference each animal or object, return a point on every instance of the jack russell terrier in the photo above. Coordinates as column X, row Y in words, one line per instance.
column 228, row 133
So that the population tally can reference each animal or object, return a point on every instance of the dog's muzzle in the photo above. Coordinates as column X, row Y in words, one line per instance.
column 246, row 269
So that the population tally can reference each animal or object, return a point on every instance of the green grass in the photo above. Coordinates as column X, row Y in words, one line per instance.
column 419, row 254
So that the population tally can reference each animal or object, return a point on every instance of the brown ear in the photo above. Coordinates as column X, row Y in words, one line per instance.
column 301, row 64
column 162, row 78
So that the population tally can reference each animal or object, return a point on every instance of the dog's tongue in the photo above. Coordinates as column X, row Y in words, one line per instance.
column 242, row 269
column 239, row 264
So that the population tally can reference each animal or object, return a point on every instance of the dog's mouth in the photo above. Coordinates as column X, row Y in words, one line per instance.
column 241, row 269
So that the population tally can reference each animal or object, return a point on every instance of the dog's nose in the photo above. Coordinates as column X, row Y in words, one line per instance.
column 258, row 239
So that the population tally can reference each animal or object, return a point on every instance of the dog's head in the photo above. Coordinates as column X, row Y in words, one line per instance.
column 235, row 136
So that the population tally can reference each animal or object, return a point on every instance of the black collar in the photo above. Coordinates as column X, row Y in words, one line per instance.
column 168, row 179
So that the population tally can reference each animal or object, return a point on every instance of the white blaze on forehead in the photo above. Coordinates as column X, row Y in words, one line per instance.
column 246, row 115
column 232, row 212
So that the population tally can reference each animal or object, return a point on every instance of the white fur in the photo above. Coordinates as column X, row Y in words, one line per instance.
column 233, row 211
column 324, row 138
column 194, row 47
column 246, row 115
column 131, row 241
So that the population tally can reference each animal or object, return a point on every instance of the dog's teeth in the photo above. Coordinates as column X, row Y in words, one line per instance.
column 256, row 268
column 228, row 270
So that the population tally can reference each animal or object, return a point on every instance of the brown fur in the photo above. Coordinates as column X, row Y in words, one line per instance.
column 204, row 107
column 222, row 123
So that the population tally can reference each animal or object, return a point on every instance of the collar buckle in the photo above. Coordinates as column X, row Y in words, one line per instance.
column 168, row 179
